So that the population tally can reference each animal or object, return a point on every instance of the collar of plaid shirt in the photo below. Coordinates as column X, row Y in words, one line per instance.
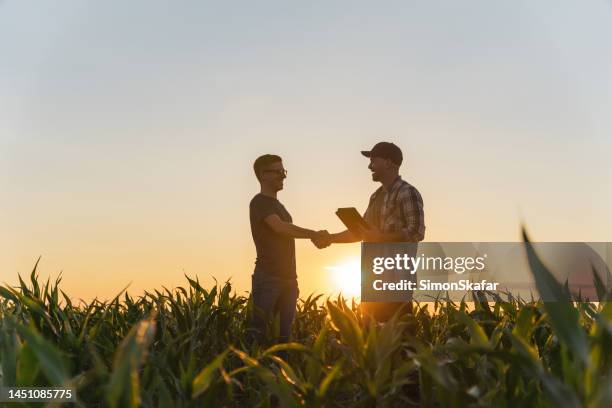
column 394, row 186
column 382, row 199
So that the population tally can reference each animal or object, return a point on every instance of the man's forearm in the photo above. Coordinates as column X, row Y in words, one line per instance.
column 293, row 231
column 344, row 237
column 374, row 235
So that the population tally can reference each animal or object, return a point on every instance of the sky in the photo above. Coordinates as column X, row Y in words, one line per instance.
column 129, row 129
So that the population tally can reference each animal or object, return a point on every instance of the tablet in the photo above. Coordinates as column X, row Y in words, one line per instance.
column 352, row 219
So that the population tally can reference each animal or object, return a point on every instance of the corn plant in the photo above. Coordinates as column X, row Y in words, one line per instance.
column 188, row 347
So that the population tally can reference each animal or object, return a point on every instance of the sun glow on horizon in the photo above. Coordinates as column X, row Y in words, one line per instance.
column 346, row 277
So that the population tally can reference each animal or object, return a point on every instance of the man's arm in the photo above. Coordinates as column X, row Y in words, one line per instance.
column 414, row 217
column 368, row 235
column 374, row 235
column 288, row 229
column 343, row 237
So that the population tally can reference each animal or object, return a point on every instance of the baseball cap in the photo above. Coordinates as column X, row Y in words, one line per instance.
column 385, row 150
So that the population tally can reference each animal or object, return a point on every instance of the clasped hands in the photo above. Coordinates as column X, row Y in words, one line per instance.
column 322, row 239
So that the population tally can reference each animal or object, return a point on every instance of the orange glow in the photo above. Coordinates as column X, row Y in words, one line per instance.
column 346, row 277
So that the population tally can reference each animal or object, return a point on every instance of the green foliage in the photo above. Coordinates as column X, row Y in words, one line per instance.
column 188, row 348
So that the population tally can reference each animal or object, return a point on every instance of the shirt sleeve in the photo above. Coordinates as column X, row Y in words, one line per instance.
column 413, row 214
column 260, row 208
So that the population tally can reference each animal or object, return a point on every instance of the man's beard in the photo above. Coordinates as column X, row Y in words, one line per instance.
column 375, row 176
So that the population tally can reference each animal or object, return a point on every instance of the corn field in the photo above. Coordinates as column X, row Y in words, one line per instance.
column 188, row 347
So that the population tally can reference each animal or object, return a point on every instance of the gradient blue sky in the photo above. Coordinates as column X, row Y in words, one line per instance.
column 129, row 129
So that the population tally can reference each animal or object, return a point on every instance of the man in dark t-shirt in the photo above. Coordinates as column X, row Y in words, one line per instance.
column 275, row 252
column 274, row 281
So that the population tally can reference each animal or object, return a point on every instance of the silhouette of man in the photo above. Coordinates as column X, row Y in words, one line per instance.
column 394, row 213
column 274, row 281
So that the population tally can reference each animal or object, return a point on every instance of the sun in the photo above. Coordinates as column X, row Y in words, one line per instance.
column 346, row 277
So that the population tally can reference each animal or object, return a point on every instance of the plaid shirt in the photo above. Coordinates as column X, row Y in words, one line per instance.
column 400, row 208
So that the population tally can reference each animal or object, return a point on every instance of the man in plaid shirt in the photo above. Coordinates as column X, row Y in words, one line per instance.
column 395, row 214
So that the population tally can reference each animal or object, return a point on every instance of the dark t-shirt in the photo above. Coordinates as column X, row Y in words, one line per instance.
column 275, row 253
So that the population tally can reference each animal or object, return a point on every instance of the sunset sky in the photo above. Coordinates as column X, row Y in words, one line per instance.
column 128, row 129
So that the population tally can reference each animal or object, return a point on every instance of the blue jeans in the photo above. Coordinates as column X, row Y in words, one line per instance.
column 272, row 295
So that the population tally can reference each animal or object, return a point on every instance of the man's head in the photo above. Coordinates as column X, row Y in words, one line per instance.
column 385, row 160
column 270, row 172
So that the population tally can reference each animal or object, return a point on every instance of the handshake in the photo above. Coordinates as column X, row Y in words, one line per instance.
column 321, row 239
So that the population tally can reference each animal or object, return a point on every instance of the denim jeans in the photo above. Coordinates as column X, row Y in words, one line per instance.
column 272, row 295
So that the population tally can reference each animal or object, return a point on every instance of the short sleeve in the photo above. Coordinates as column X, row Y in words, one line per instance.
column 260, row 208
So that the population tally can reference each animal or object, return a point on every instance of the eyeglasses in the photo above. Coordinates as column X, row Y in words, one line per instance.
column 280, row 172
